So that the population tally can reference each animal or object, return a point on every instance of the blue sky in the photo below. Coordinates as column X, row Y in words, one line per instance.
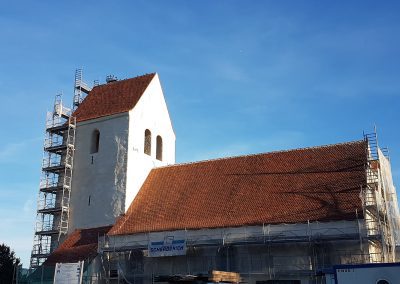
column 239, row 77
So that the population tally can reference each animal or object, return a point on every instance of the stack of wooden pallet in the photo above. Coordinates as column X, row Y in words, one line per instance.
column 224, row 276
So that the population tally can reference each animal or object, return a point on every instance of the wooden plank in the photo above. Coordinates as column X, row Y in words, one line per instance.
column 224, row 276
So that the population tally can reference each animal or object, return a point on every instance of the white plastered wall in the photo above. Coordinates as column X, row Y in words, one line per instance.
column 99, row 176
column 151, row 113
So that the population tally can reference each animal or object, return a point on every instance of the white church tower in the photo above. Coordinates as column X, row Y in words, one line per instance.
column 97, row 156
column 123, row 131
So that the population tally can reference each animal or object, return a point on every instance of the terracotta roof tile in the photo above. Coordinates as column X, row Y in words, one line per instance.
column 112, row 98
column 79, row 245
column 320, row 183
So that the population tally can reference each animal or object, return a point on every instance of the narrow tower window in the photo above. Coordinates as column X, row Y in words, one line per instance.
column 147, row 142
column 159, row 149
column 95, row 142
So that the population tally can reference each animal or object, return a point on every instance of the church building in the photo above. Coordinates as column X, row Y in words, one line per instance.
column 112, row 196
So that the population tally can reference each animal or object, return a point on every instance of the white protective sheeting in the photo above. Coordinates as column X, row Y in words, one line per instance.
column 390, row 196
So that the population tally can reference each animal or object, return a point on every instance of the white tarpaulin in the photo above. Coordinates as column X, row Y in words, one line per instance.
column 167, row 244
column 391, row 196
column 68, row 273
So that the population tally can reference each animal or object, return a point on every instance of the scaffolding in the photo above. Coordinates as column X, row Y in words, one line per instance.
column 52, row 219
column 257, row 252
column 375, row 203
column 55, row 183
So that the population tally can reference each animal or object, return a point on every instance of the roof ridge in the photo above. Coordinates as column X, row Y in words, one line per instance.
column 262, row 153
column 126, row 79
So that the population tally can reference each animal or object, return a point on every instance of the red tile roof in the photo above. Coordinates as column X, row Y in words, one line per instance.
column 112, row 98
column 81, row 244
column 315, row 184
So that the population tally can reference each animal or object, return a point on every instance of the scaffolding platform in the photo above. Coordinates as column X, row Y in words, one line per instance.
column 50, row 210
column 51, row 189
column 47, row 233
column 56, row 148
column 54, row 169
column 41, row 255
column 57, row 128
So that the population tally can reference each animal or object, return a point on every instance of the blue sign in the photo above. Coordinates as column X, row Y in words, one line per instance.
column 169, row 246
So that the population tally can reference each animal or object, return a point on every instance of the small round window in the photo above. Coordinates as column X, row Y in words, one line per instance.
column 382, row 281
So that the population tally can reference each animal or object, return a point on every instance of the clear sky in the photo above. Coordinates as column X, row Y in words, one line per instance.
column 239, row 77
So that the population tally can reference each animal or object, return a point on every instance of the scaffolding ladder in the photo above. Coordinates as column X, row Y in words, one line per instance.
column 81, row 89
column 55, row 184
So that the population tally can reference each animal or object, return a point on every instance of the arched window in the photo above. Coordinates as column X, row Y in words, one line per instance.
column 159, row 148
column 147, row 142
column 94, row 148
